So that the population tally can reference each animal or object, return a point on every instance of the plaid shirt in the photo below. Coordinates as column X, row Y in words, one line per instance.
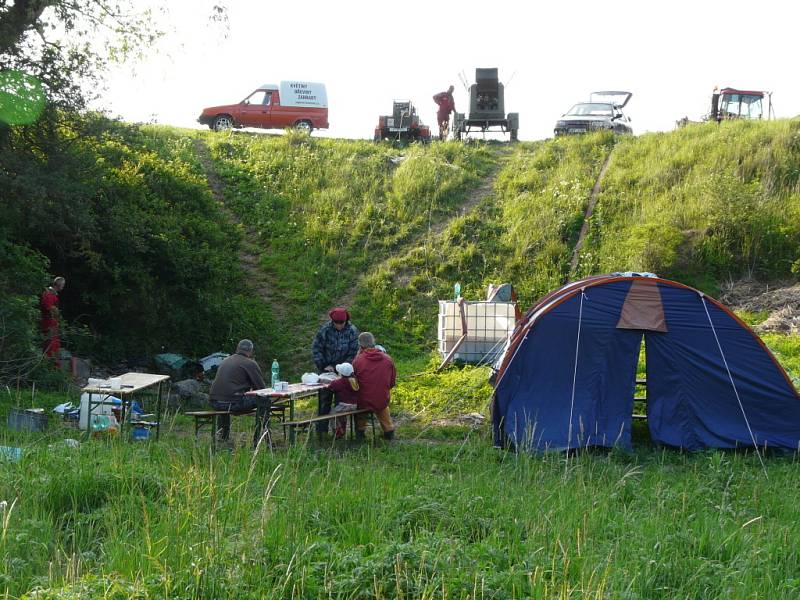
column 332, row 347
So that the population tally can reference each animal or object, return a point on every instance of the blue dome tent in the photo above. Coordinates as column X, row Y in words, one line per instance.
column 567, row 377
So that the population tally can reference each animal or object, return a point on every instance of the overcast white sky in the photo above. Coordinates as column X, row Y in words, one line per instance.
column 669, row 54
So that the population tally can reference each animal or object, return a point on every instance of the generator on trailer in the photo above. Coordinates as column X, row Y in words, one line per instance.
column 402, row 125
column 486, row 108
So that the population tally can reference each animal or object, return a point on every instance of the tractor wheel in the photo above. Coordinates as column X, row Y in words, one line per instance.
column 513, row 135
column 222, row 123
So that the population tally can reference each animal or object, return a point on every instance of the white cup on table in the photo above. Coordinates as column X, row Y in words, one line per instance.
column 116, row 383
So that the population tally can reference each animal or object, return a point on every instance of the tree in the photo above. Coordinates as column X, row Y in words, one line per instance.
column 66, row 44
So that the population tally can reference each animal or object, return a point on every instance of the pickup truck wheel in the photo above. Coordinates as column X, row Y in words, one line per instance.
column 304, row 126
column 222, row 123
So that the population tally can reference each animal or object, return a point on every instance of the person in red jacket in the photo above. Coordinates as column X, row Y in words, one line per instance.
column 446, row 104
column 50, row 315
column 376, row 375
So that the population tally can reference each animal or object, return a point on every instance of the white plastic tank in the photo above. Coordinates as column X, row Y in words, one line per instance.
column 101, row 405
column 488, row 326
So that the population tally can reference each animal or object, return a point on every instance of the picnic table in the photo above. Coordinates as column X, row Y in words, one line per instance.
column 266, row 397
column 131, row 384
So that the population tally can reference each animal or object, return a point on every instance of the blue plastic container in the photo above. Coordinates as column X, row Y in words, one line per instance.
column 140, row 433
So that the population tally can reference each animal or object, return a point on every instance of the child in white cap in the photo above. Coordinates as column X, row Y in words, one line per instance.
column 345, row 390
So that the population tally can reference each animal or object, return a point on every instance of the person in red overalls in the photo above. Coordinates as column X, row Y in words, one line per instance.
column 48, row 304
column 446, row 104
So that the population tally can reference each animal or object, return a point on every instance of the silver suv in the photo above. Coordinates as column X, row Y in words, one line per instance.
column 603, row 111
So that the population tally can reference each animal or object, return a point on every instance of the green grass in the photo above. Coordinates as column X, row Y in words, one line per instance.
column 325, row 212
column 414, row 519
column 437, row 514
column 702, row 204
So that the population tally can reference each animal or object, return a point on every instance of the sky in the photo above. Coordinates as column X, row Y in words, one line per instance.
column 550, row 56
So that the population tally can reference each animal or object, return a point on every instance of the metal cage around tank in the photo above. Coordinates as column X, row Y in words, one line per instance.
column 474, row 332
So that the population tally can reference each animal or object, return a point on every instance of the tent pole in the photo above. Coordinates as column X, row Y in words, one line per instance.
column 575, row 373
column 735, row 391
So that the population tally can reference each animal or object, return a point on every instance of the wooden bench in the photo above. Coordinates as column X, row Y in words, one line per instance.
column 209, row 417
column 352, row 414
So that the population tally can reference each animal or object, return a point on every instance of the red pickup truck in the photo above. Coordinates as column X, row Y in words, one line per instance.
column 299, row 104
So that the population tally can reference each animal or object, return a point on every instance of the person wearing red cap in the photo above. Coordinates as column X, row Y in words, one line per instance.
column 336, row 342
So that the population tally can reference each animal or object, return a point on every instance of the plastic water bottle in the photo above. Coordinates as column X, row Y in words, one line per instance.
column 275, row 372
column 457, row 289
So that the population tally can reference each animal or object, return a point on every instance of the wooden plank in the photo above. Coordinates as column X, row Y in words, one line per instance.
column 211, row 413
column 327, row 417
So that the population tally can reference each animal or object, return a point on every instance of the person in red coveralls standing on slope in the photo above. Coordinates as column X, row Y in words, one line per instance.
column 48, row 304
column 446, row 104
column 376, row 375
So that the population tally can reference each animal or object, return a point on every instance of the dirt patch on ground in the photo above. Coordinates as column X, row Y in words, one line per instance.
column 782, row 301
column 471, row 420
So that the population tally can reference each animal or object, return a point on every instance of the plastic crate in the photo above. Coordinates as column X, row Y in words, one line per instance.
column 20, row 419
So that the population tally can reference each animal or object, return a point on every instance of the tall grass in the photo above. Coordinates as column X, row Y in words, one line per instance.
column 410, row 520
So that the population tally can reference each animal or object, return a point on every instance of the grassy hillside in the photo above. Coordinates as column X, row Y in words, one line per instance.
column 703, row 204
column 199, row 238
column 323, row 213
column 190, row 240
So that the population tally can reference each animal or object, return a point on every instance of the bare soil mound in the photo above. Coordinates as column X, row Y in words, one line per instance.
column 782, row 301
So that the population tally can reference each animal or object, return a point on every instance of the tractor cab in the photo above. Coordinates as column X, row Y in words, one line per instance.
column 729, row 103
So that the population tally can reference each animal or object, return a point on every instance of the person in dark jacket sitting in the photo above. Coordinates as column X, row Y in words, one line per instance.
column 336, row 342
column 237, row 374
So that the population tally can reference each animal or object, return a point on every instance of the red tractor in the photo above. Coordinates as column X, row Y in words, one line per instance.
column 402, row 125
column 729, row 103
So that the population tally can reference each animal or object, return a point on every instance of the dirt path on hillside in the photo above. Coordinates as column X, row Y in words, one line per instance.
column 435, row 229
column 249, row 252
column 576, row 252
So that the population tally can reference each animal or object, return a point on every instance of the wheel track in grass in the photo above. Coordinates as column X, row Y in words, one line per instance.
column 598, row 186
column 474, row 197
column 250, row 254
